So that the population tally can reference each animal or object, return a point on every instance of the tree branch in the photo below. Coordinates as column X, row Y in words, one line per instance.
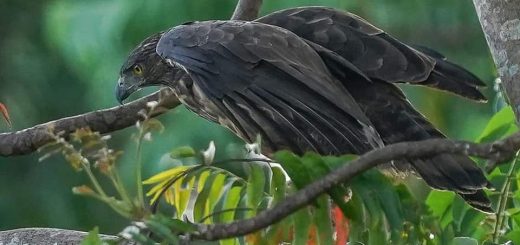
column 50, row 236
column 498, row 151
column 500, row 22
column 247, row 10
column 104, row 121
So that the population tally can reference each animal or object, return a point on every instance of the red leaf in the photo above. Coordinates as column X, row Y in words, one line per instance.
column 5, row 114
column 341, row 226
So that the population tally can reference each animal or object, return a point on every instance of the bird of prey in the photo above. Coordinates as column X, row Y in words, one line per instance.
column 321, row 80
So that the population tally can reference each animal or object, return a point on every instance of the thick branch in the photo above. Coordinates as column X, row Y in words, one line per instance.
column 498, row 151
column 500, row 20
column 49, row 236
column 104, row 121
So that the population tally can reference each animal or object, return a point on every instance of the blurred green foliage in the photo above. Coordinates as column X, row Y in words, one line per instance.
column 61, row 57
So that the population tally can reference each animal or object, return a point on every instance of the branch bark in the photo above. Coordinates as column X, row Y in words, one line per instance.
column 498, row 151
column 104, row 121
column 500, row 20
column 49, row 236
column 247, row 10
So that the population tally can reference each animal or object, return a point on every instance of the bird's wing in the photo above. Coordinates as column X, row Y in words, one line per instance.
column 444, row 171
column 374, row 52
column 366, row 46
column 265, row 80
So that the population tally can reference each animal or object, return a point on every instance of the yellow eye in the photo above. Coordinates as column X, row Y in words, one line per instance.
column 138, row 71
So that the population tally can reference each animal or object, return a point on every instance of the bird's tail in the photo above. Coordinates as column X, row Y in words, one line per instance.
column 397, row 121
column 450, row 77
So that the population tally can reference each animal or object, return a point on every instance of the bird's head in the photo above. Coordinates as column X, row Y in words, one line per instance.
column 143, row 68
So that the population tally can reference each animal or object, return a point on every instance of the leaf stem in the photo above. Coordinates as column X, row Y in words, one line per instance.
column 138, row 174
column 118, row 185
column 102, row 195
column 113, row 204
column 502, row 202
column 92, row 177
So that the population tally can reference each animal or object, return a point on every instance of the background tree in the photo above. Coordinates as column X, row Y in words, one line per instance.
column 501, row 24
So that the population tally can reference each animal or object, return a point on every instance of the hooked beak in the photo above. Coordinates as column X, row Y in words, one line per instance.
column 123, row 90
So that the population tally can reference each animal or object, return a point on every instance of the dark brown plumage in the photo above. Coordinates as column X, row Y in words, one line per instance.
column 317, row 94
column 374, row 52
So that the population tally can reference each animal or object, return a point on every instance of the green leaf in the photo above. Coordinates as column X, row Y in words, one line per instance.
column 514, row 236
column 516, row 216
column 175, row 225
column 255, row 187
column 459, row 210
column 470, row 222
column 278, row 233
column 439, row 202
column 92, row 238
column 388, row 198
column 464, row 241
column 182, row 152
column 377, row 236
column 322, row 221
column 301, row 222
column 277, row 191
column 278, row 185
column 231, row 202
column 318, row 168
column 162, row 231
column 371, row 204
column 500, row 125
column 312, row 167
column 355, row 210
column 219, row 189
column 200, row 209
column 335, row 162
column 294, row 168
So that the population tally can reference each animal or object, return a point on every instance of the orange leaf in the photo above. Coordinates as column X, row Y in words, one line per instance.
column 254, row 238
column 313, row 236
column 5, row 114
column 341, row 226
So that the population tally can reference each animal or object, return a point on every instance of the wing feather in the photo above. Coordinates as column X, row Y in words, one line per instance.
column 270, row 82
column 374, row 52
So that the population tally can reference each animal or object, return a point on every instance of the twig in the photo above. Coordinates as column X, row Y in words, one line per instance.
column 502, row 201
column 498, row 151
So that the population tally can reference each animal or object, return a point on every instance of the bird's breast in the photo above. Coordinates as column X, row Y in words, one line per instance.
column 194, row 98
